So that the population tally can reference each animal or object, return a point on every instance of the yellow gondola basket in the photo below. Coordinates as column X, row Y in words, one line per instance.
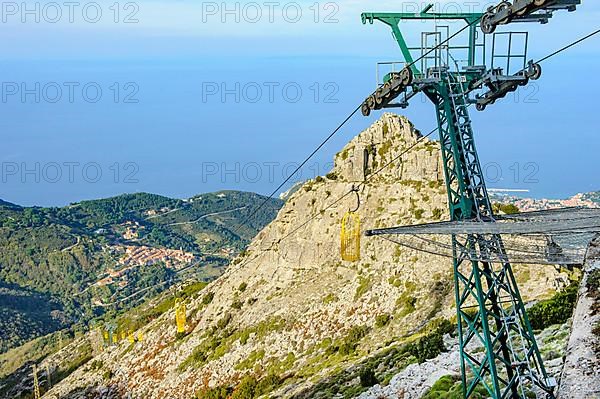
column 180, row 315
column 350, row 237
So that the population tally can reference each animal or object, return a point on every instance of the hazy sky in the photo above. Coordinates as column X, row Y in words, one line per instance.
column 183, row 97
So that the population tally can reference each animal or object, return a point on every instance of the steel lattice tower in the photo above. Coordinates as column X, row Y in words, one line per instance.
column 490, row 311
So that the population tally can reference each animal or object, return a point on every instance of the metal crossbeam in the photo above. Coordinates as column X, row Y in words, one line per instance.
column 553, row 250
column 558, row 222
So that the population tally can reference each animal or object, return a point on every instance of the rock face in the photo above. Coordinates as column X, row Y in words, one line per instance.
column 281, row 307
column 581, row 375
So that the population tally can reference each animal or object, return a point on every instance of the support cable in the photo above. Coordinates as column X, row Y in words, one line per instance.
column 363, row 183
column 398, row 156
column 343, row 123
column 315, row 215
column 569, row 46
column 522, row 260
column 404, row 152
column 508, row 246
column 337, row 129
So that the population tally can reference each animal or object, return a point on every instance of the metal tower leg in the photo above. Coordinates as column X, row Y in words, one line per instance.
column 490, row 311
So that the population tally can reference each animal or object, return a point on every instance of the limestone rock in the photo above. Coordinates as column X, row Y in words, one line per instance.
column 300, row 297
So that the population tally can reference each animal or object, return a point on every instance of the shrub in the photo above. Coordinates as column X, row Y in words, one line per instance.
column 351, row 340
column 251, row 301
column 213, row 393
column 331, row 176
column 385, row 128
column 249, row 387
column 364, row 285
column 382, row 320
column 593, row 284
column 221, row 324
column 437, row 213
column 237, row 304
column 347, row 345
column 367, row 377
column 395, row 281
column 319, row 179
column 246, row 388
column 197, row 358
column 357, row 333
column 107, row 375
column 508, row 209
column 96, row 365
column 268, row 384
column 443, row 326
column 244, row 337
column 208, row 298
column 329, row 298
column 435, row 183
column 346, row 349
column 427, row 347
column 450, row 387
column 445, row 387
column 406, row 303
column 555, row 310
column 251, row 360
column 242, row 287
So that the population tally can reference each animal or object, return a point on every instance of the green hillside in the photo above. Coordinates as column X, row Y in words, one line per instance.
column 52, row 258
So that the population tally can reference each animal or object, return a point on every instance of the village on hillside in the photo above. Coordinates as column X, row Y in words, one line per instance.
column 136, row 256
column 534, row 204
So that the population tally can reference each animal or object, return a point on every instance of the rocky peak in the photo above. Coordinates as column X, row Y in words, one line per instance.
column 289, row 305
column 381, row 143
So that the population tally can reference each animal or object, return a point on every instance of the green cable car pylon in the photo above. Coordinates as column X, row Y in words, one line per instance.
column 490, row 310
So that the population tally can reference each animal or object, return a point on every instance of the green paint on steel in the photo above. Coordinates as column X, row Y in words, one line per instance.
column 393, row 21
column 481, row 290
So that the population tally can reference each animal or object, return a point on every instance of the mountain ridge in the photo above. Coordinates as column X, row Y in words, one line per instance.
column 288, row 318
column 61, row 253
column 8, row 204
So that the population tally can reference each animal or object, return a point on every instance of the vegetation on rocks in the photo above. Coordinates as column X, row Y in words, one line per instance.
column 450, row 387
column 508, row 209
column 593, row 284
column 382, row 320
column 380, row 367
column 364, row 283
column 249, row 387
column 208, row 298
column 555, row 310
